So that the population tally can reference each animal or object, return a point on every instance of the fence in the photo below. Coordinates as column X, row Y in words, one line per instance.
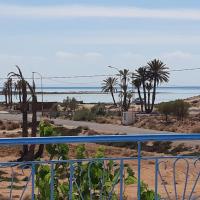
column 79, row 179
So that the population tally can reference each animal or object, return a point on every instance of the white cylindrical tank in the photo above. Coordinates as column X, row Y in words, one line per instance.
column 128, row 118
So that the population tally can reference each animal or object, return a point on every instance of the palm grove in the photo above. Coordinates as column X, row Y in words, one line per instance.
column 145, row 79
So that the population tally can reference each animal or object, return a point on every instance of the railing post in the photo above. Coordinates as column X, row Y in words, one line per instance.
column 139, row 170
column 71, row 180
column 33, row 181
column 52, row 182
column 121, row 178
column 156, row 179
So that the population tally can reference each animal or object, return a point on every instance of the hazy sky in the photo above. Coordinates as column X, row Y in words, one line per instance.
column 64, row 38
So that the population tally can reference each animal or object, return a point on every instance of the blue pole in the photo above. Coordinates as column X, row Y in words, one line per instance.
column 139, row 170
column 121, row 178
column 33, row 181
column 156, row 179
column 71, row 180
column 52, row 181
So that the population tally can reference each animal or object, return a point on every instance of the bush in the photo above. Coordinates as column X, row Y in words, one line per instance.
column 70, row 104
column 84, row 115
column 99, row 109
column 161, row 147
column 165, row 108
column 178, row 108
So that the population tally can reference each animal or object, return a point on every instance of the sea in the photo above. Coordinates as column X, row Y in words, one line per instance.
column 94, row 95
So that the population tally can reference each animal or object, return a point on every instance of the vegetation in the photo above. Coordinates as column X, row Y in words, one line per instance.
column 98, row 176
column 150, row 77
column 177, row 108
column 99, row 109
column 144, row 79
column 180, row 109
column 8, row 91
column 124, row 93
column 84, row 114
column 28, row 152
column 165, row 108
column 109, row 85
column 70, row 104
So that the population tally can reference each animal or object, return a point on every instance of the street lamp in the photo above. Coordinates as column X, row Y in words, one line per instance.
column 41, row 87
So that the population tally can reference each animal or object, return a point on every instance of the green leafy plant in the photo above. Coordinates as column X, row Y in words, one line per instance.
column 91, row 179
column 177, row 108
column 99, row 109
column 84, row 114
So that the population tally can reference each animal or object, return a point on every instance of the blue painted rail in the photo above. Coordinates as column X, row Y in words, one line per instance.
column 182, row 185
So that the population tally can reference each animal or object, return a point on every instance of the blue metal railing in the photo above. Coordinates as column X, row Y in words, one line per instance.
column 190, row 162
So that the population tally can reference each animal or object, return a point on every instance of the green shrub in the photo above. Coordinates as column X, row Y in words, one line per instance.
column 178, row 108
column 165, row 108
column 98, row 176
column 99, row 109
column 70, row 104
column 84, row 115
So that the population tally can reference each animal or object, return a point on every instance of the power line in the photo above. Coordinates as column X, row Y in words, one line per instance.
column 185, row 69
column 68, row 77
column 96, row 75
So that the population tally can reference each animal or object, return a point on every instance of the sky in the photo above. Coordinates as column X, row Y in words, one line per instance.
column 71, row 37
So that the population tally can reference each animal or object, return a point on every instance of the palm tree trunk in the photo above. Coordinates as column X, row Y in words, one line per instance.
column 149, row 106
column 145, row 96
column 153, row 95
column 113, row 98
column 40, row 151
column 125, row 107
column 140, row 97
column 24, row 116
column 34, row 127
column 6, row 98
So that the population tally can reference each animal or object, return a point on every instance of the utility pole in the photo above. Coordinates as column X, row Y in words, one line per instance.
column 41, row 87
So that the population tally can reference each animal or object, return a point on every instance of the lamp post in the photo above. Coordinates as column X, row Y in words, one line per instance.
column 41, row 87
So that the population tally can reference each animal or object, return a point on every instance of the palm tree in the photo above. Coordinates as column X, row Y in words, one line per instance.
column 30, row 155
column 24, row 106
column 18, row 89
column 149, row 87
column 23, row 86
column 137, row 83
column 124, row 76
column 9, row 89
column 109, row 85
column 158, row 73
column 5, row 92
column 142, row 75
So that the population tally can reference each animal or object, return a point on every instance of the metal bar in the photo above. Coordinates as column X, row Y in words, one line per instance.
column 71, row 180
column 52, row 182
column 5, row 164
column 99, row 139
column 139, row 170
column 121, row 178
column 33, row 181
column 156, row 179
